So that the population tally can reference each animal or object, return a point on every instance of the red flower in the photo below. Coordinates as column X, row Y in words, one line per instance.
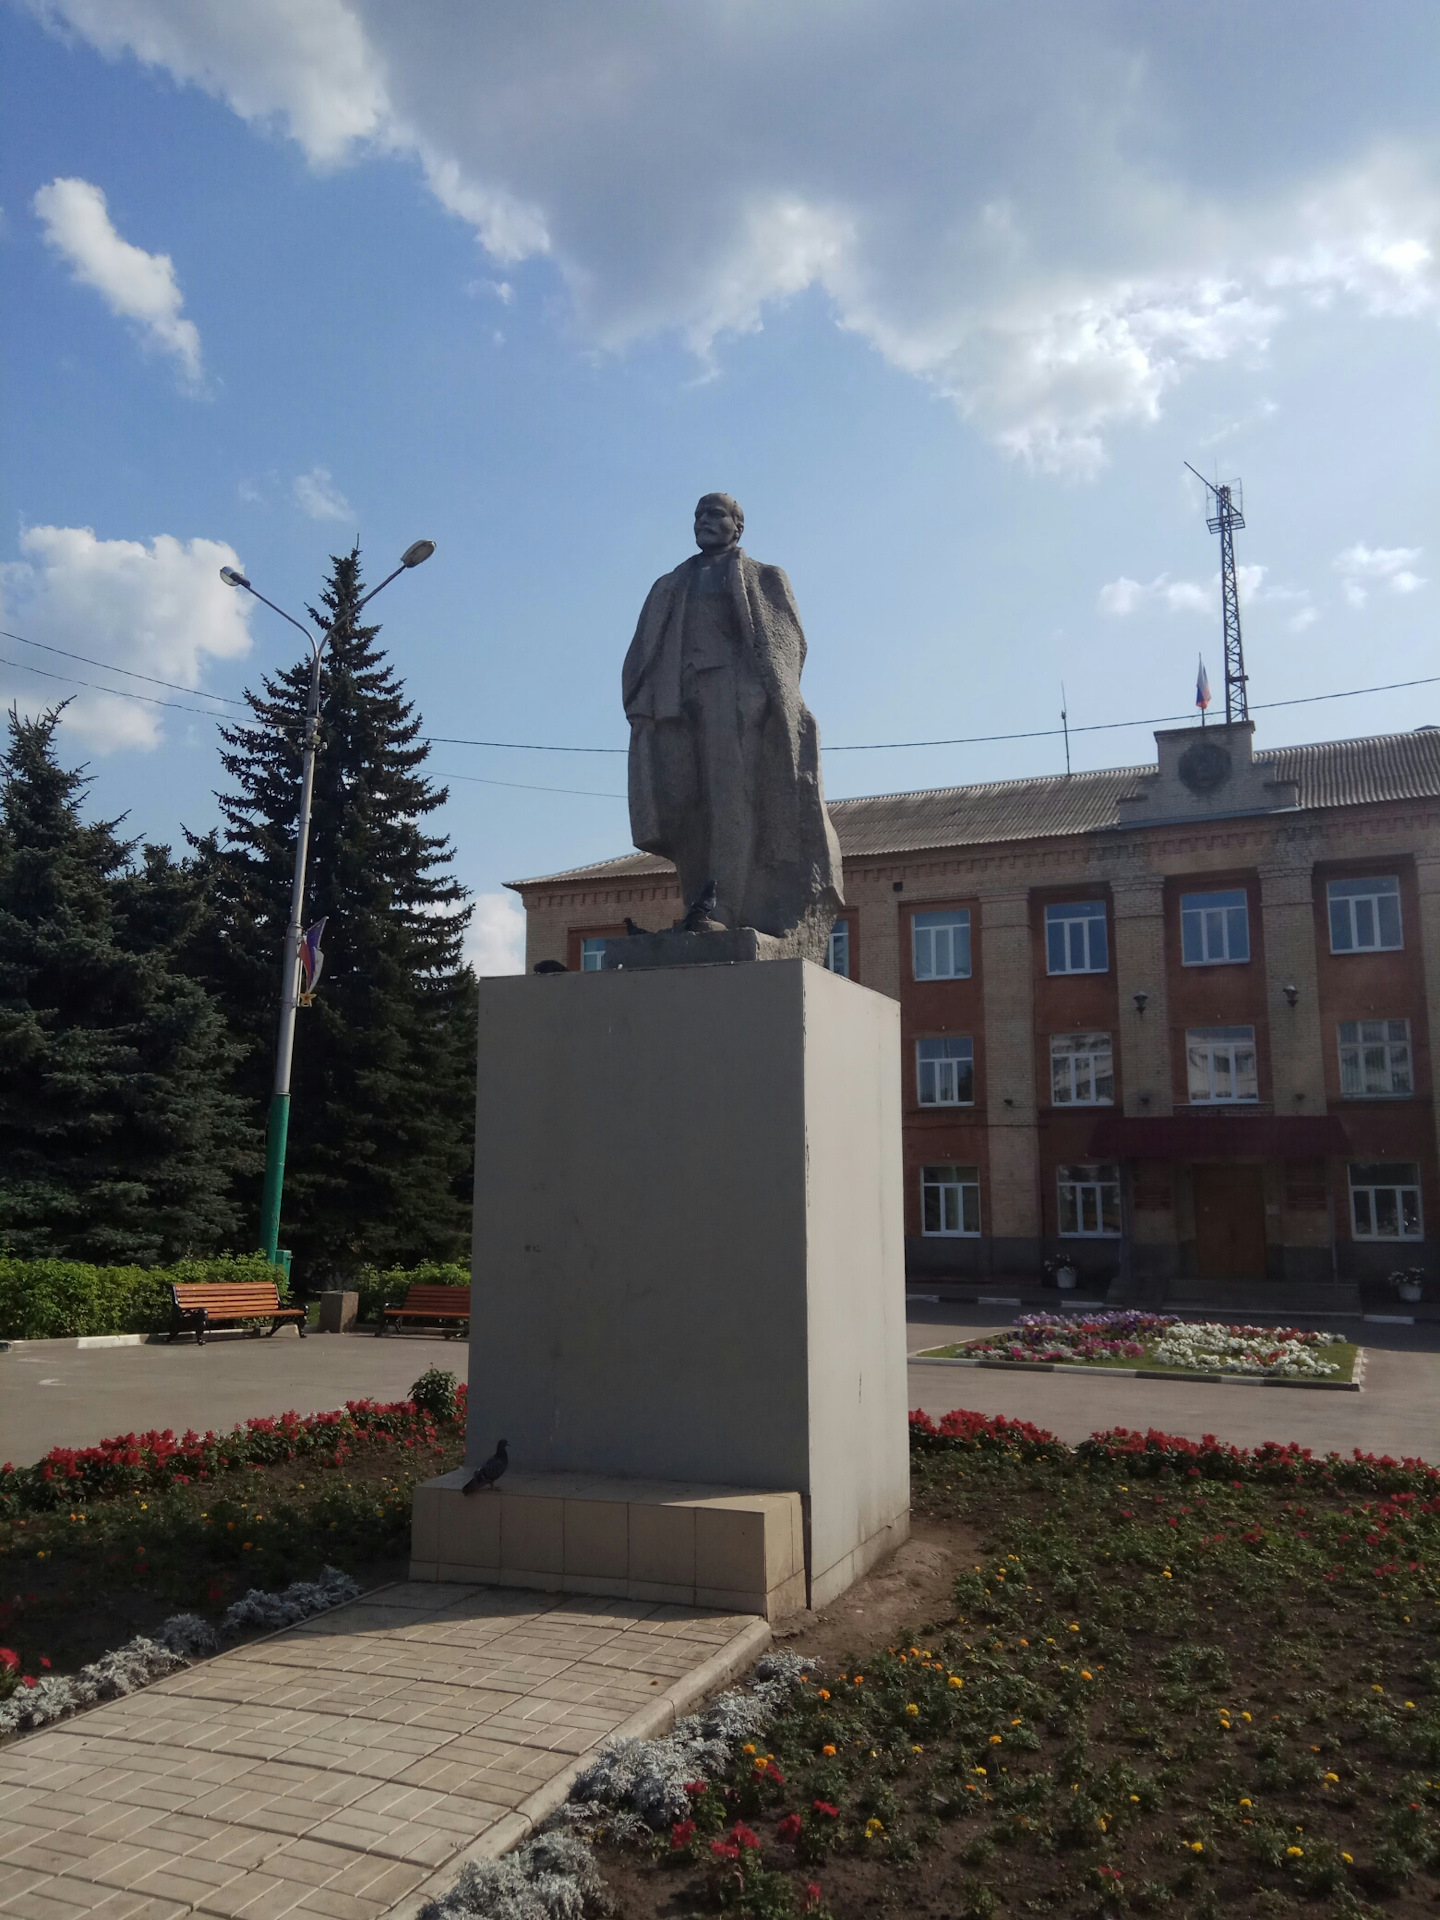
column 682, row 1833
column 9, row 1659
column 723, row 1850
column 824, row 1806
column 789, row 1829
column 742, row 1836
column 812, row 1894
column 44, row 1659
column 697, row 1787
column 28, row 1680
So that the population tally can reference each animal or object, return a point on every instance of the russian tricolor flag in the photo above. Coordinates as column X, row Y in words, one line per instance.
column 1202, row 687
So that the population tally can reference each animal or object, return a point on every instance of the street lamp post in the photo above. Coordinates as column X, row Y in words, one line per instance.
column 279, row 1124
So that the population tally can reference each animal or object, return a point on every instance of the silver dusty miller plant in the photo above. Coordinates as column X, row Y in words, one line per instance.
column 631, row 1785
column 175, row 1643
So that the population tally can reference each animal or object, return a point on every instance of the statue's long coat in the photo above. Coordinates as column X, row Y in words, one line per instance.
column 795, row 861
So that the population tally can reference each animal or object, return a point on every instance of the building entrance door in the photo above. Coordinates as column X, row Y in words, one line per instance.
column 1229, row 1222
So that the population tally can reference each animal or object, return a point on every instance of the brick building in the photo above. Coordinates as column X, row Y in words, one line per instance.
column 1169, row 1022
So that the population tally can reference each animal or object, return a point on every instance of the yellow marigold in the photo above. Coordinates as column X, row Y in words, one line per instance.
column 995, row 1740
column 828, row 1750
column 1294, row 1853
column 1348, row 1858
column 859, row 1680
column 1244, row 1716
column 956, row 1681
column 1165, row 1575
column 1135, row 1799
column 1085, row 1674
column 1197, row 1846
column 749, row 1747
column 912, row 1709
column 874, row 1826
column 824, row 1694
column 917, row 1749
column 1247, row 1803
column 1332, row 1776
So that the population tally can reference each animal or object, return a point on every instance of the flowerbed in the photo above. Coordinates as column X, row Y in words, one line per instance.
column 1162, row 1341
column 1170, row 1680
column 193, row 1524
column 147, row 1462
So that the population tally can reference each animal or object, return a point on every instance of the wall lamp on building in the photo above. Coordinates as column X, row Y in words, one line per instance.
column 1291, row 993
column 1142, row 1000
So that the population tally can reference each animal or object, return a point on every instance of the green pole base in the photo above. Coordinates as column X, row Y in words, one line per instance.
column 275, row 1138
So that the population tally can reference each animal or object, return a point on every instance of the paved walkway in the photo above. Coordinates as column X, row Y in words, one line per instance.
column 349, row 1764
column 1398, row 1412
column 55, row 1395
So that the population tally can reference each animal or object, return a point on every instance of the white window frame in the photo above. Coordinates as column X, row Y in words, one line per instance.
column 1209, row 926
column 938, row 940
column 953, row 1202
column 1075, row 1067
column 943, row 1064
column 1375, row 1056
column 1375, row 1200
column 1094, row 1197
column 1219, row 1044
column 837, row 949
column 592, row 952
column 1083, row 944
column 1358, row 907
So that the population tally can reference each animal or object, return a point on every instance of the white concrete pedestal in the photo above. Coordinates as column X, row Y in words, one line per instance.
column 689, row 1243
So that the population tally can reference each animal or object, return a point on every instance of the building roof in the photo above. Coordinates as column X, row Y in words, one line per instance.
column 1331, row 773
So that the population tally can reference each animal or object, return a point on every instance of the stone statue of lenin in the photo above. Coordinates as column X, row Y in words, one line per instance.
column 724, row 754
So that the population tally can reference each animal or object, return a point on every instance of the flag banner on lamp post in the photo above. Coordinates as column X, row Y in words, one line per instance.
column 312, row 962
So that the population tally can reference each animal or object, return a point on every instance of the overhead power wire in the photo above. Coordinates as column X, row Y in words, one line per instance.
column 535, row 746
column 107, row 667
column 120, row 693
column 521, row 786
column 977, row 739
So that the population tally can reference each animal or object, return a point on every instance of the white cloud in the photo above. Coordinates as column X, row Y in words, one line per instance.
column 1306, row 617
column 1126, row 596
column 160, row 609
column 1025, row 218
column 135, row 285
column 495, row 939
column 317, row 495
column 1361, row 568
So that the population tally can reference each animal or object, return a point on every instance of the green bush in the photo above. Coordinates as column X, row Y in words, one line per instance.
column 54, row 1299
column 387, row 1289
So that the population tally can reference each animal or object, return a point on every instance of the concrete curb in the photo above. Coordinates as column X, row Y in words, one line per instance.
column 70, row 1344
column 1143, row 1373
column 656, row 1717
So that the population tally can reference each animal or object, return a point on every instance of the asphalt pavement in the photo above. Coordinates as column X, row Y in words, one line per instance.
column 1397, row 1412
column 53, row 1394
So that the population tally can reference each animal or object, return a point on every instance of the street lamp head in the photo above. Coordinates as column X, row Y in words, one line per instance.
column 232, row 578
column 418, row 554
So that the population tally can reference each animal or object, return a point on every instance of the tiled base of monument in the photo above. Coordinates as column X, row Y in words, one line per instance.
column 706, row 1546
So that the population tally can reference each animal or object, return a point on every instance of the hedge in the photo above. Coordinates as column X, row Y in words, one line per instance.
column 53, row 1299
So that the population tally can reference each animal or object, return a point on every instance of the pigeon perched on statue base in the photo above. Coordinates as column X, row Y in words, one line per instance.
column 487, row 1474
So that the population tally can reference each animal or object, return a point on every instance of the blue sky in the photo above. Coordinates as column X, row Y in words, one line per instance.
column 944, row 294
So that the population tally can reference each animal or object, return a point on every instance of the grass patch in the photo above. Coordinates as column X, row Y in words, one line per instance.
column 1158, row 1688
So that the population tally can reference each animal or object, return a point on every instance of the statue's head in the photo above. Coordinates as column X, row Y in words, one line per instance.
column 719, row 522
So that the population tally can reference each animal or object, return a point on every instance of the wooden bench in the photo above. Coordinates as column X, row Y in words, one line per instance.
column 449, row 1305
column 204, row 1304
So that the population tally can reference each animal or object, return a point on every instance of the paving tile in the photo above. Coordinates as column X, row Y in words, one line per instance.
column 324, row 1773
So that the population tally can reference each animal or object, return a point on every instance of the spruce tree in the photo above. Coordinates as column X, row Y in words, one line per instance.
column 378, row 1167
column 119, row 1138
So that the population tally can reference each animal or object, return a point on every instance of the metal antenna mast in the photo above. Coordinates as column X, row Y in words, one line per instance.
column 1229, row 513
